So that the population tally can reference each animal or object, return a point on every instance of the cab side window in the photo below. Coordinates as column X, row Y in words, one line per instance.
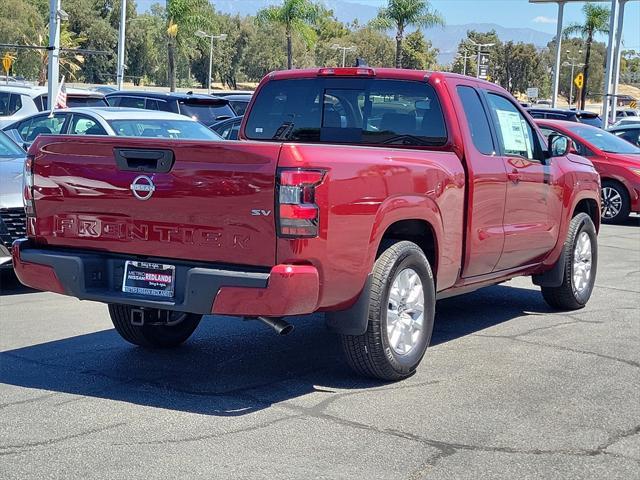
column 43, row 125
column 516, row 136
column 477, row 120
column 82, row 125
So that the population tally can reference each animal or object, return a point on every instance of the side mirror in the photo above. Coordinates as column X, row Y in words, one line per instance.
column 558, row 146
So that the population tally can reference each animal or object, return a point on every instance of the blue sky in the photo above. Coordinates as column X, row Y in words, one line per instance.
column 521, row 13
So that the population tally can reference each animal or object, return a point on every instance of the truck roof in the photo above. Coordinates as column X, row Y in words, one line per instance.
column 386, row 73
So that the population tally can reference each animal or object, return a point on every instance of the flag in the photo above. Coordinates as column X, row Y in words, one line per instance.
column 61, row 98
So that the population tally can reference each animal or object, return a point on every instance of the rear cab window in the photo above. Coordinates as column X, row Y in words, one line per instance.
column 348, row 110
column 477, row 120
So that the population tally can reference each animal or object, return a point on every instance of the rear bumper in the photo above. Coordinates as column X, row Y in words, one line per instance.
column 285, row 290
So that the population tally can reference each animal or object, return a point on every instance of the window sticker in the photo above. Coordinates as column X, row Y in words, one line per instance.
column 513, row 131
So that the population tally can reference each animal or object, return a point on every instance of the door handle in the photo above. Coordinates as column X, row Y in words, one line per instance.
column 514, row 176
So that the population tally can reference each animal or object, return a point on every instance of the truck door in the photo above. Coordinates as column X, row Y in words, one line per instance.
column 529, row 232
column 486, row 184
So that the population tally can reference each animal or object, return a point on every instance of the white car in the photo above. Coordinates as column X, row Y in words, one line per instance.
column 12, row 218
column 113, row 121
column 19, row 101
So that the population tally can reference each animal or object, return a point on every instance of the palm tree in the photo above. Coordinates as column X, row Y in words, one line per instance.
column 400, row 14
column 184, row 17
column 596, row 21
column 296, row 16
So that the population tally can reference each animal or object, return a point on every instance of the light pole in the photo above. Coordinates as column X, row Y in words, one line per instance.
column 480, row 46
column 464, row 56
column 572, row 63
column 56, row 16
column 202, row 34
column 121, row 37
column 352, row 48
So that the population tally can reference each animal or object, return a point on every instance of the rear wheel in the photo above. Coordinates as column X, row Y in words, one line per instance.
column 581, row 260
column 401, row 314
column 161, row 328
column 615, row 202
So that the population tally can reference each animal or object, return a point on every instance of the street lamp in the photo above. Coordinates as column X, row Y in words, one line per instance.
column 480, row 46
column 202, row 34
column 352, row 48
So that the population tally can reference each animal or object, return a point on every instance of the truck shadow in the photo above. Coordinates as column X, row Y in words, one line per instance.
column 10, row 285
column 231, row 367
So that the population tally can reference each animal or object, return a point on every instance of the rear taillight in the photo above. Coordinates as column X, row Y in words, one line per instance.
column 298, row 214
column 27, row 187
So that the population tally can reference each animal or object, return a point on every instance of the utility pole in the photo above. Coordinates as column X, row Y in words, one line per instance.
column 556, row 70
column 608, row 74
column 352, row 48
column 121, row 37
column 573, row 63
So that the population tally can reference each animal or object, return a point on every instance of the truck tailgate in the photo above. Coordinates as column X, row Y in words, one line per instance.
column 206, row 201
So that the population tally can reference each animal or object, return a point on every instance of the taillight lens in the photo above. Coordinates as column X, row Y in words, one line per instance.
column 27, row 187
column 298, row 214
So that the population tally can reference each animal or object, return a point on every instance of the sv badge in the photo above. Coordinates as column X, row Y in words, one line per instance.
column 260, row 213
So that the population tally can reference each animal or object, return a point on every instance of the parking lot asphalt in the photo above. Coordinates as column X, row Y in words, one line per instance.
column 509, row 389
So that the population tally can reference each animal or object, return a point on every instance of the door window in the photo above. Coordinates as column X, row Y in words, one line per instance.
column 10, row 103
column 81, row 125
column 44, row 125
column 131, row 102
column 477, row 120
column 515, row 134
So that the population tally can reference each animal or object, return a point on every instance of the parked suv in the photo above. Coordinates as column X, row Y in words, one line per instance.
column 19, row 101
column 206, row 109
column 581, row 116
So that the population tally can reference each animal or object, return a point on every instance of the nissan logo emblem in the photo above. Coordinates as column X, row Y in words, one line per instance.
column 142, row 187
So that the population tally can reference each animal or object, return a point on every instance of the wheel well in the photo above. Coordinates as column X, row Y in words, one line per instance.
column 416, row 231
column 590, row 207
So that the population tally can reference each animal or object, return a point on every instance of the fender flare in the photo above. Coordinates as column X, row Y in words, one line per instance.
column 354, row 320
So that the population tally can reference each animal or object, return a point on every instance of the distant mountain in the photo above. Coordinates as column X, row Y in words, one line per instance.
column 446, row 38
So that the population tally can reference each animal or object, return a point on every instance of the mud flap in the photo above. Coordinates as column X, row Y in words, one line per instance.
column 553, row 277
column 354, row 320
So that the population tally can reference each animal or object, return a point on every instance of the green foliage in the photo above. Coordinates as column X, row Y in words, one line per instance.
column 417, row 53
column 400, row 14
column 297, row 17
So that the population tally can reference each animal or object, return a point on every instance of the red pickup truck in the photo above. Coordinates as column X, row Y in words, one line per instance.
column 364, row 193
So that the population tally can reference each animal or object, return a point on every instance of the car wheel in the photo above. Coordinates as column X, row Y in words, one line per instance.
column 581, row 261
column 400, row 318
column 615, row 206
column 161, row 328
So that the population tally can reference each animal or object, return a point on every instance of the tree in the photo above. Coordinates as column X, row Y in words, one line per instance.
column 400, row 14
column 596, row 22
column 296, row 16
column 418, row 53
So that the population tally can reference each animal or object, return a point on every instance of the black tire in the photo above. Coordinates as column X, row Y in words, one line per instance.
column 623, row 205
column 154, row 335
column 566, row 297
column 371, row 354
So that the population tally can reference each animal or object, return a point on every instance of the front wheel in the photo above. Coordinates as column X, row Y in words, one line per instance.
column 581, row 261
column 401, row 315
column 161, row 328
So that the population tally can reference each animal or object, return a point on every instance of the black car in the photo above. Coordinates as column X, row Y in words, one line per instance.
column 239, row 103
column 204, row 108
column 228, row 129
column 580, row 116
column 629, row 132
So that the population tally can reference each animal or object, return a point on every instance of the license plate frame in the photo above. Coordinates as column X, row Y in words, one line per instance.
column 149, row 279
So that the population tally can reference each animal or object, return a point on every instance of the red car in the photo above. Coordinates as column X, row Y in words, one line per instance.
column 616, row 160
column 362, row 193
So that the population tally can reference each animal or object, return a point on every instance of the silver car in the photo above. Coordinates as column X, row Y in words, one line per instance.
column 126, row 122
column 12, row 218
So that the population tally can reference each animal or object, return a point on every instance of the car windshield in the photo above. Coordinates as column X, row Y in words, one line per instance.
column 605, row 141
column 8, row 148
column 206, row 111
column 183, row 129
